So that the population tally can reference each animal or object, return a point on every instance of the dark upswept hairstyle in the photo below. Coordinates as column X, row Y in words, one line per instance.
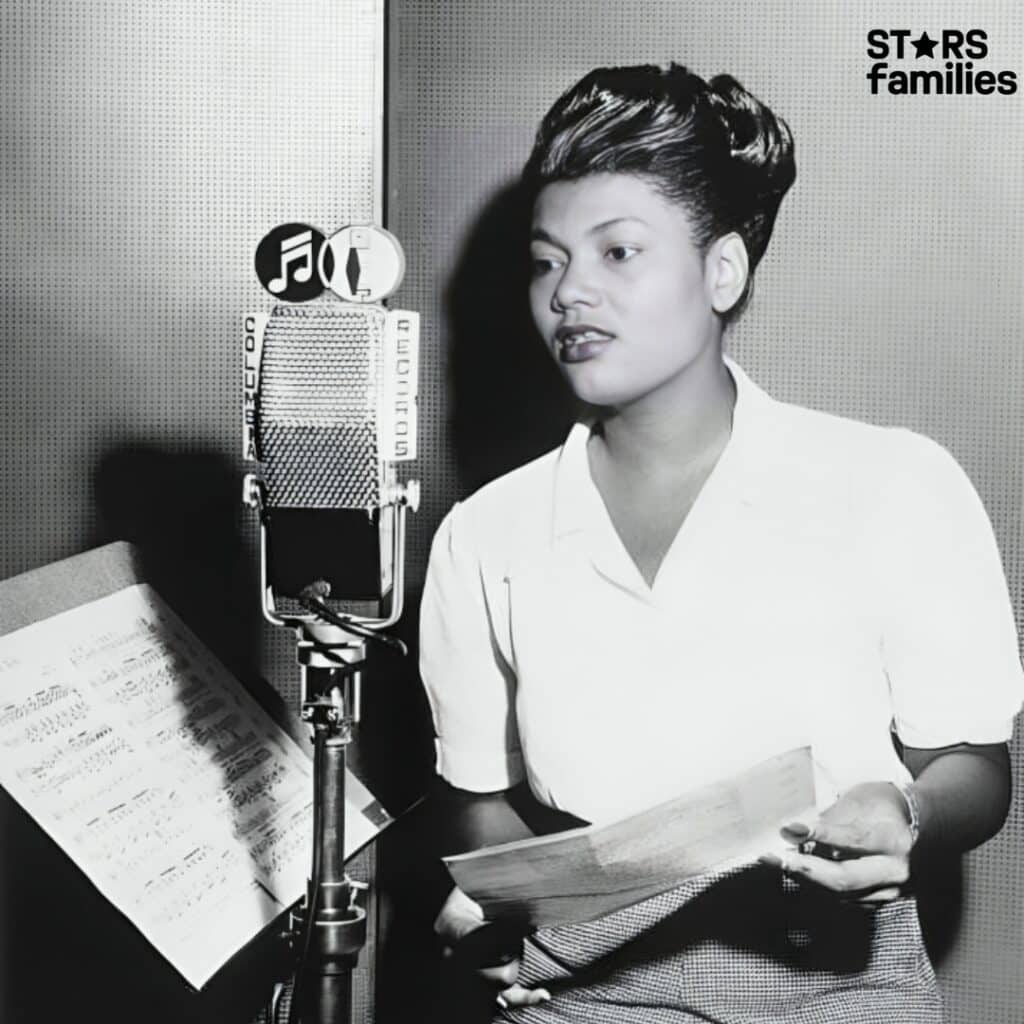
column 710, row 146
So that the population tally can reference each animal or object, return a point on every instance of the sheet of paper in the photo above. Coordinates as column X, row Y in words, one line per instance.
column 588, row 872
column 186, row 805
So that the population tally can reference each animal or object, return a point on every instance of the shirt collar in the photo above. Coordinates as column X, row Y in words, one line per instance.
column 577, row 502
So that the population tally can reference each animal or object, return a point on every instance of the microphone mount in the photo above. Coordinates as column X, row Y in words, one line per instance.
column 400, row 498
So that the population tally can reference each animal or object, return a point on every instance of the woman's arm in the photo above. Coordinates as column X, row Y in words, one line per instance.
column 463, row 820
column 963, row 794
column 468, row 821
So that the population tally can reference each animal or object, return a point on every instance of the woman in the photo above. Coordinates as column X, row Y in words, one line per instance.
column 702, row 577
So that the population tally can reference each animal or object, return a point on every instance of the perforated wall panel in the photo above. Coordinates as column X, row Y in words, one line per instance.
column 146, row 151
column 892, row 291
column 147, row 147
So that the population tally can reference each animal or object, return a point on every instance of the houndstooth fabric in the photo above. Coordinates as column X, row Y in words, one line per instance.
column 737, row 947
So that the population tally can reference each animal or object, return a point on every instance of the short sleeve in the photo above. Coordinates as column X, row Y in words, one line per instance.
column 469, row 683
column 949, row 642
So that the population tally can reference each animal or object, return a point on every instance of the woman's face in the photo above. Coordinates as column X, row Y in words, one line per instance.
column 619, row 290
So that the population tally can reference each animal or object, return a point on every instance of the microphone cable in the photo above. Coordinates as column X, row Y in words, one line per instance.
column 317, row 606
column 320, row 743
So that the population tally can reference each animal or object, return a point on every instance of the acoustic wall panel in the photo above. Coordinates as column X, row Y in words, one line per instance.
column 146, row 149
column 892, row 291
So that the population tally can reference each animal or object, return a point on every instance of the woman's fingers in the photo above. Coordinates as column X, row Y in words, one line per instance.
column 458, row 916
column 886, row 895
column 885, row 837
column 849, row 877
column 501, row 976
column 516, row 995
column 512, row 993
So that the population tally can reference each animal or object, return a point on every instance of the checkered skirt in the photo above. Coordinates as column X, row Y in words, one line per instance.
column 739, row 947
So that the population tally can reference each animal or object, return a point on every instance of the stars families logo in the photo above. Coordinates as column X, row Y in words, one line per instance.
column 949, row 69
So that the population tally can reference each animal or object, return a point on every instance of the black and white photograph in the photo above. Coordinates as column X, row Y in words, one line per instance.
column 512, row 512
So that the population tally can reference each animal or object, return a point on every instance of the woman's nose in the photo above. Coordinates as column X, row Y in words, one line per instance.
column 573, row 289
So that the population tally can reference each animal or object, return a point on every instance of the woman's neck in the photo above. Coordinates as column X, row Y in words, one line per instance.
column 678, row 427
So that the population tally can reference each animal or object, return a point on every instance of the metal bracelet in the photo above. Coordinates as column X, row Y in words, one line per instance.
column 906, row 790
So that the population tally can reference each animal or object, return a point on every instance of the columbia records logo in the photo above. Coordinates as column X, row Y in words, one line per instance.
column 359, row 263
column 951, row 67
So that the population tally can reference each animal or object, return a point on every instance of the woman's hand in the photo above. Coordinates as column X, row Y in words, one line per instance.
column 868, row 830
column 458, row 917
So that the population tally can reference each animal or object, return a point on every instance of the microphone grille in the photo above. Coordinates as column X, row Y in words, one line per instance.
column 318, row 406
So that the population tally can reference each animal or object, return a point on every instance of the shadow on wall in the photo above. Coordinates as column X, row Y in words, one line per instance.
column 510, row 403
column 940, row 890
column 183, row 514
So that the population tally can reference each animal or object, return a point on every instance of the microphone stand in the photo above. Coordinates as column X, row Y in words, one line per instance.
column 331, row 652
column 331, row 922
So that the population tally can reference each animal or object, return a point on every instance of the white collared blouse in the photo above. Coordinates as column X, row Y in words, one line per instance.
column 832, row 579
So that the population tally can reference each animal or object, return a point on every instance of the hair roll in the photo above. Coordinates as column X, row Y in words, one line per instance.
column 710, row 146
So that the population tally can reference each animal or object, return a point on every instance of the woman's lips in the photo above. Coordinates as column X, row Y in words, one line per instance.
column 578, row 344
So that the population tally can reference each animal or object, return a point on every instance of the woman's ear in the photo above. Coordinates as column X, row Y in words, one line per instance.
column 727, row 267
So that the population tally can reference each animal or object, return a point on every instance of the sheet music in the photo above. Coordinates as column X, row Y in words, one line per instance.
column 186, row 805
column 587, row 872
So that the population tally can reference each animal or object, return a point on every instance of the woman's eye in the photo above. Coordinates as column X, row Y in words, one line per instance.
column 542, row 265
column 621, row 253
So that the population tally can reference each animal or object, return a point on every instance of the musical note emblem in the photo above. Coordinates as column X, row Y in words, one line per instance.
column 295, row 249
column 288, row 261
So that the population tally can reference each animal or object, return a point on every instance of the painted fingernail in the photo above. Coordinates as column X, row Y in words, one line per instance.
column 501, row 1001
column 798, row 829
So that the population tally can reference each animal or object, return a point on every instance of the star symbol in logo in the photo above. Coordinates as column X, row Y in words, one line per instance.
column 924, row 46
